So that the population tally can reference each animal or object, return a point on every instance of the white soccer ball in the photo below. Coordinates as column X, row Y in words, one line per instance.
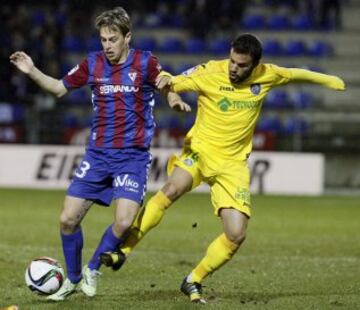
column 44, row 275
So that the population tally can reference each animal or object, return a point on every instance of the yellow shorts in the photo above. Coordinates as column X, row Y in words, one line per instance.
column 229, row 180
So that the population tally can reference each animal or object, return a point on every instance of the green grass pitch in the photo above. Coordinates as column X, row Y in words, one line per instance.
column 301, row 253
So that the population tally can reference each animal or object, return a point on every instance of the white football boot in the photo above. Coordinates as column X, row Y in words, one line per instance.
column 89, row 282
column 65, row 290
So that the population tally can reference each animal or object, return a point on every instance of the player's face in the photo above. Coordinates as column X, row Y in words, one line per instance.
column 240, row 66
column 114, row 44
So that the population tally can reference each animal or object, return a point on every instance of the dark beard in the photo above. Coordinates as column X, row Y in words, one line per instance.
column 239, row 79
column 242, row 78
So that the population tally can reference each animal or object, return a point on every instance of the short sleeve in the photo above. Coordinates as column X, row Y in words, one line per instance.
column 78, row 76
column 154, row 69
column 189, row 80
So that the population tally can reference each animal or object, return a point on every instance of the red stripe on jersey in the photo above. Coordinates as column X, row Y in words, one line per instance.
column 139, row 103
column 154, row 69
column 99, row 73
column 119, row 122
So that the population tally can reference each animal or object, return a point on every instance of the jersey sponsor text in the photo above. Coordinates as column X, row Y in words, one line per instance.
column 112, row 89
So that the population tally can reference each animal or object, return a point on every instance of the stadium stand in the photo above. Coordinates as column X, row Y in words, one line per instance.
column 294, row 33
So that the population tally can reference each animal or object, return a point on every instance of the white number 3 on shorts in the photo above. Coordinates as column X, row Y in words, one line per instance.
column 85, row 166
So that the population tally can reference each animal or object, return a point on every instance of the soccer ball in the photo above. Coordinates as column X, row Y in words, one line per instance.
column 44, row 275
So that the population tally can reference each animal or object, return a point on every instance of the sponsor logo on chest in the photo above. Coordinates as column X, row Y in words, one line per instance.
column 113, row 89
column 226, row 104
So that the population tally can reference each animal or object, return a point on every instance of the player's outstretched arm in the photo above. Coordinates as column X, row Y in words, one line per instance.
column 163, row 83
column 330, row 81
column 25, row 64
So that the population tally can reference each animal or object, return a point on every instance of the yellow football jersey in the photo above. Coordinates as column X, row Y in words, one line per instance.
column 227, row 113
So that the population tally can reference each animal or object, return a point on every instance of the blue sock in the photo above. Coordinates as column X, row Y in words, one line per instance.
column 109, row 242
column 72, row 248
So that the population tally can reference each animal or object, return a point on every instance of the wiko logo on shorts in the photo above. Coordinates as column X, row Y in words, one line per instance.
column 126, row 182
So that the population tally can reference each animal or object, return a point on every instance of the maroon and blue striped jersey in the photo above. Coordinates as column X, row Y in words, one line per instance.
column 122, row 98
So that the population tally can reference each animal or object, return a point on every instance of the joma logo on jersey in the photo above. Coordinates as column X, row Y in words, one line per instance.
column 226, row 88
column 225, row 105
column 125, row 181
column 112, row 89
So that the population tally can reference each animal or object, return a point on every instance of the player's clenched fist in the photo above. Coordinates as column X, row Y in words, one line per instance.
column 22, row 61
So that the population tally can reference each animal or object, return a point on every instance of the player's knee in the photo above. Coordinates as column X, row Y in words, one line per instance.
column 122, row 225
column 172, row 190
column 68, row 224
column 237, row 237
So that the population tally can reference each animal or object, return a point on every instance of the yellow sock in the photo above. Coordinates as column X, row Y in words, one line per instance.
column 147, row 219
column 220, row 251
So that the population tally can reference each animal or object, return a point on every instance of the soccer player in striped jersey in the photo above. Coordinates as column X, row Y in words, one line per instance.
column 116, row 162
column 216, row 149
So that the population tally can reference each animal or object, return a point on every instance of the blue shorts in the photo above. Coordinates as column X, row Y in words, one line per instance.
column 107, row 174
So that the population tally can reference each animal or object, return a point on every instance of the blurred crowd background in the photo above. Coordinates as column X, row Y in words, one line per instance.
column 321, row 35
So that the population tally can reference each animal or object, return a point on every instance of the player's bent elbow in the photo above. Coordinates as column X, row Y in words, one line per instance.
column 59, row 89
column 59, row 95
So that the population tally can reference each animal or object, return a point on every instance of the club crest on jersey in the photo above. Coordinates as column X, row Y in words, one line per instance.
column 132, row 76
column 255, row 88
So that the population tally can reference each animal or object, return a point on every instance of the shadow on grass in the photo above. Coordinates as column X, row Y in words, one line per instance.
column 172, row 297
column 212, row 297
column 263, row 298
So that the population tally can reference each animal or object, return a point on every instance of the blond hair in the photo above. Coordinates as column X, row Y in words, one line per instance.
column 116, row 19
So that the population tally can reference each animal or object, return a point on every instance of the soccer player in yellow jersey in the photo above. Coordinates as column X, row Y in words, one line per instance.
column 230, row 97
